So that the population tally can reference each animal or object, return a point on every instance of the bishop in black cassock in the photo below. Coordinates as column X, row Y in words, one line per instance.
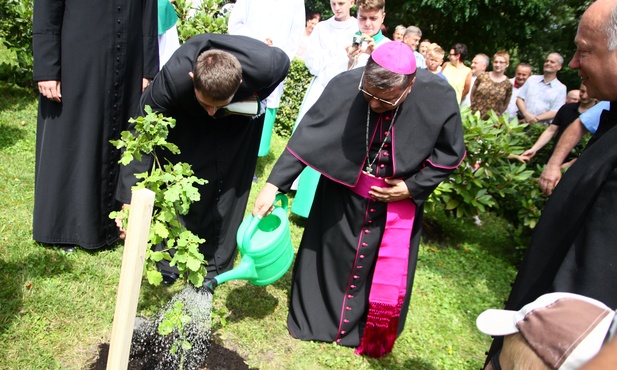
column 334, row 273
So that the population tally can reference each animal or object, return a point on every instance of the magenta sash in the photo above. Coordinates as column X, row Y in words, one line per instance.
column 390, row 276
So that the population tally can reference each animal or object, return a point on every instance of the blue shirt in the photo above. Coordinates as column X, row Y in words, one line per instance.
column 591, row 117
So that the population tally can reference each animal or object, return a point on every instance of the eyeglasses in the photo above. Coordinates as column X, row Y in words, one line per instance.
column 380, row 99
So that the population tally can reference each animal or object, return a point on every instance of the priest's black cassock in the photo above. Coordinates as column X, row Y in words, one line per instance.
column 335, row 262
column 574, row 246
column 222, row 150
column 99, row 51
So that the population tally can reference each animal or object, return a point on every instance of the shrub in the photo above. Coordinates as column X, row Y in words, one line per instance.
column 207, row 19
column 488, row 180
column 296, row 83
column 16, row 34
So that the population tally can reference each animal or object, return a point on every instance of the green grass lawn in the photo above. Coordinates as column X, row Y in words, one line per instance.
column 56, row 308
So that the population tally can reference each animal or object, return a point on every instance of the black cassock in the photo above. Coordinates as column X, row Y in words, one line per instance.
column 222, row 151
column 334, row 267
column 100, row 50
column 574, row 246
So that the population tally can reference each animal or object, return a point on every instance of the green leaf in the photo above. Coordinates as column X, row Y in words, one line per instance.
column 154, row 277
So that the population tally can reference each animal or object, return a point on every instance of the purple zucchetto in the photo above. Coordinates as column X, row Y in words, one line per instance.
column 396, row 57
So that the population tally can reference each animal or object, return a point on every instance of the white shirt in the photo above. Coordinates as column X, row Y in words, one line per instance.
column 280, row 20
column 541, row 97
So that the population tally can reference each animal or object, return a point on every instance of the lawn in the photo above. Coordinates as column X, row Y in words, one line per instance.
column 57, row 308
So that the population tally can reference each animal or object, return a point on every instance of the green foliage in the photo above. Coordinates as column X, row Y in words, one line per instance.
column 488, row 179
column 207, row 19
column 296, row 83
column 16, row 34
column 174, row 189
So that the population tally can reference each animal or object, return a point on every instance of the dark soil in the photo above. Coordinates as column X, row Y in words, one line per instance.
column 219, row 358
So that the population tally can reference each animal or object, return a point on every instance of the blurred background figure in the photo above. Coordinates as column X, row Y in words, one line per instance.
column 277, row 23
column 423, row 47
column 311, row 21
column 492, row 90
column 479, row 63
column 566, row 116
column 412, row 38
column 168, row 32
column 325, row 57
column 435, row 54
column 399, row 32
column 542, row 95
column 573, row 96
column 456, row 72
column 521, row 74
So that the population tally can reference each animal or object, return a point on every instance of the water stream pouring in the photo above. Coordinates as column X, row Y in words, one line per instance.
column 265, row 246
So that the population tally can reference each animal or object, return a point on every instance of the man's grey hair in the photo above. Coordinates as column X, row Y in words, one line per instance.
column 384, row 79
column 611, row 30
column 559, row 57
column 413, row 30
column 485, row 59
column 400, row 28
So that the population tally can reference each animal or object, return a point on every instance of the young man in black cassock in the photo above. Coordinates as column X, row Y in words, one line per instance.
column 383, row 137
column 221, row 146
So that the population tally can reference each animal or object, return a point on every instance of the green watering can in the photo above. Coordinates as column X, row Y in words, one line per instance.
column 265, row 246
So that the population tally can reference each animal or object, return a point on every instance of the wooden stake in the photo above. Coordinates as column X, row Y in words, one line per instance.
column 133, row 258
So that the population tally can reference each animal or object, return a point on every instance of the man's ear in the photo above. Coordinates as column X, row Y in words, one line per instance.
column 192, row 75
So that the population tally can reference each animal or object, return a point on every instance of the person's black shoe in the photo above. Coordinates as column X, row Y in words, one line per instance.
column 67, row 248
column 169, row 277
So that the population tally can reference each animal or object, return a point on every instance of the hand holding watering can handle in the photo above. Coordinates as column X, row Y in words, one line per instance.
column 252, row 228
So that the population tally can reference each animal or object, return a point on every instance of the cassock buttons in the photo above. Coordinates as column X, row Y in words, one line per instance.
column 367, row 231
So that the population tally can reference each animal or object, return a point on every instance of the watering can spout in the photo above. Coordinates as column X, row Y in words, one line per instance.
column 209, row 285
column 244, row 271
